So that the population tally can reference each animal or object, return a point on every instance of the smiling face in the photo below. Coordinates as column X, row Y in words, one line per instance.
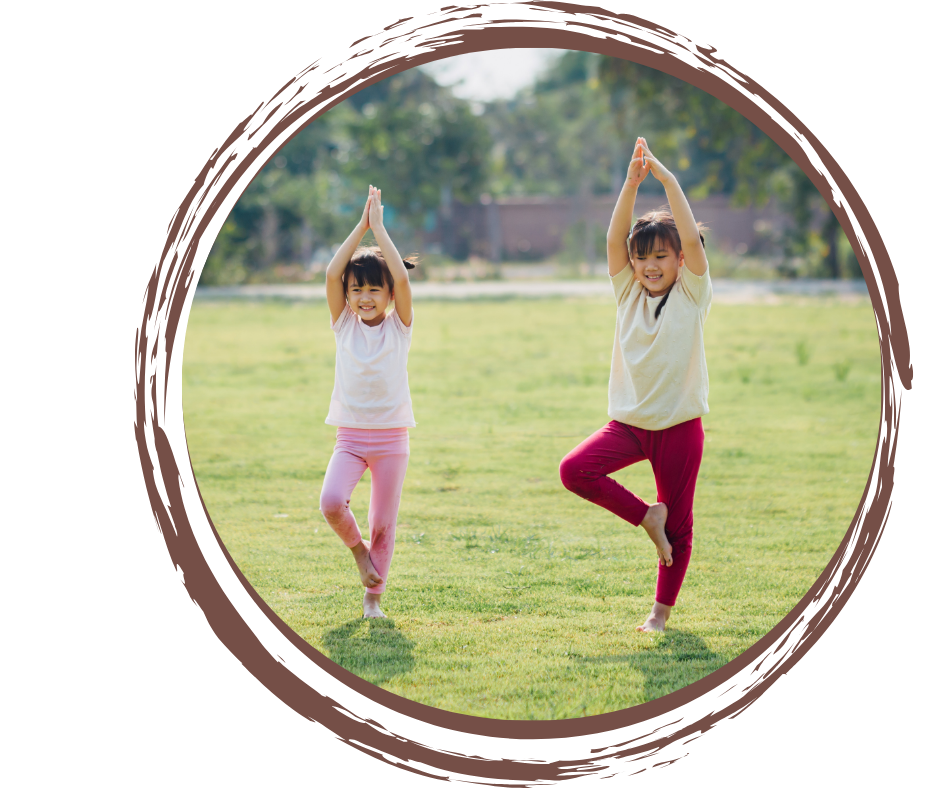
column 658, row 268
column 655, row 251
column 368, row 301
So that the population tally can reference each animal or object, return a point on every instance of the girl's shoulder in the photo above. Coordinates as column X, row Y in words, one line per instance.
column 397, row 321
column 625, row 285
column 697, row 288
column 346, row 318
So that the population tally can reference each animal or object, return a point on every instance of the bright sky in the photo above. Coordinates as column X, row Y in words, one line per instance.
column 498, row 73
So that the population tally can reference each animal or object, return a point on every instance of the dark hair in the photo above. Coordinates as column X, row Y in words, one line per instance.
column 658, row 225
column 367, row 267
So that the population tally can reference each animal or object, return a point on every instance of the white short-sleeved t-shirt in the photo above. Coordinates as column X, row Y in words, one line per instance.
column 371, row 385
column 658, row 376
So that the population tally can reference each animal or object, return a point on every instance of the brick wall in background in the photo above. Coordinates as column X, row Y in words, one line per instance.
column 534, row 227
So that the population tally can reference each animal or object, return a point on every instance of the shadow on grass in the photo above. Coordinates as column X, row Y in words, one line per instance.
column 373, row 649
column 672, row 661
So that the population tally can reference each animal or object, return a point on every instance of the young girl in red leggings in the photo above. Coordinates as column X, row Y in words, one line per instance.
column 658, row 380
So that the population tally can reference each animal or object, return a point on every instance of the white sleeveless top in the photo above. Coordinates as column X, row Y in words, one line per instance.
column 371, row 386
column 658, row 376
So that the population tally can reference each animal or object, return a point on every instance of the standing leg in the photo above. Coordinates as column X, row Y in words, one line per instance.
column 676, row 455
column 342, row 474
column 388, row 461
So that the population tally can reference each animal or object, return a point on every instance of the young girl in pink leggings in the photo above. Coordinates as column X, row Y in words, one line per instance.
column 658, row 380
column 371, row 403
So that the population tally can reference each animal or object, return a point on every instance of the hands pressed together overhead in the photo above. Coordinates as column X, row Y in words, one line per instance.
column 373, row 211
column 643, row 163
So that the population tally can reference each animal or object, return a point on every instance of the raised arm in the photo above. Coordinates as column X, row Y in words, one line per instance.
column 395, row 264
column 335, row 296
column 692, row 249
column 622, row 218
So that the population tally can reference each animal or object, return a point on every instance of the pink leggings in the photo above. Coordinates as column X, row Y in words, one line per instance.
column 675, row 454
column 385, row 453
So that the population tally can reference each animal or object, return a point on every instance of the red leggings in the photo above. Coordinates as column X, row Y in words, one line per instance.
column 675, row 454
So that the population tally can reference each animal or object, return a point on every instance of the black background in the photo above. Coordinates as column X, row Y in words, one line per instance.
column 841, row 712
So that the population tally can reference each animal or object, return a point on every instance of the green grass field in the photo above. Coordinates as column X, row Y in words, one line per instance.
column 510, row 597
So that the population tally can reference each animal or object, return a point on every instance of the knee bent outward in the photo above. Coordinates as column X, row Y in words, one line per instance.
column 334, row 509
column 571, row 476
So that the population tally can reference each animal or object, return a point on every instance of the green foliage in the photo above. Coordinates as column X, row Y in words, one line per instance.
column 847, row 261
column 405, row 134
column 556, row 138
column 226, row 262
column 715, row 149
column 414, row 135
column 292, row 206
column 569, row 135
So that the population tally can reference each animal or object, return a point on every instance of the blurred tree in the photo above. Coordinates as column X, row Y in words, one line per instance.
column 555, row 138
column 419, row 143
column 289, row 207
column 570, row 134
column 558, row 139
column 715, row 149
column 226, row 262
column 407, row 135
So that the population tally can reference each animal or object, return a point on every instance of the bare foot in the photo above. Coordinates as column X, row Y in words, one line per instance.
column 370, row 606
column 656, row 622
column 655, row 525
column 370, row 578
